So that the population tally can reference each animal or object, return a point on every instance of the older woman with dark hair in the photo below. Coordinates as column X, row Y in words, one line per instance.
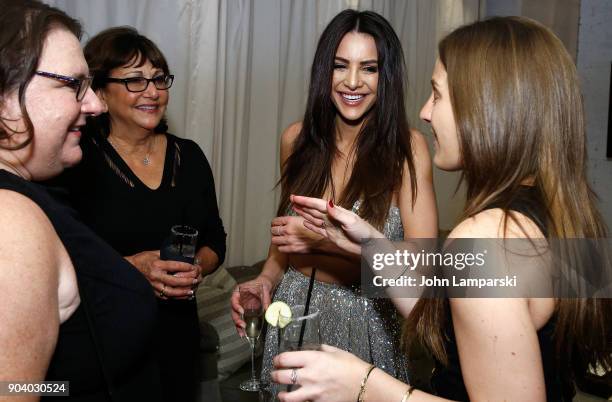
column 137, row 181
column 72, row 308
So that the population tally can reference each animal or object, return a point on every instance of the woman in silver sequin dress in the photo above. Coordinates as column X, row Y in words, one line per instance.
column 354, row 146
column 529, row 346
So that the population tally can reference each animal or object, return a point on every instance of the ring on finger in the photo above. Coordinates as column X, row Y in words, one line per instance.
column 294, row 376
column 162, row 294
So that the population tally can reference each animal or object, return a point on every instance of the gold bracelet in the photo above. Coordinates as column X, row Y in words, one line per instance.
column 407, row 394
column 363, row 383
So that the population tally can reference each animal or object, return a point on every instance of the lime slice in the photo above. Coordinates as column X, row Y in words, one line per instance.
column 278, row 314
column 283, row 320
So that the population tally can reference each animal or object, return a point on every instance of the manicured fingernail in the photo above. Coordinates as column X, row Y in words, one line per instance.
column 195, row 281
column 331, row 204
column 190, row 293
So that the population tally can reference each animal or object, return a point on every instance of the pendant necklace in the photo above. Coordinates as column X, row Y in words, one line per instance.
column 146, row 160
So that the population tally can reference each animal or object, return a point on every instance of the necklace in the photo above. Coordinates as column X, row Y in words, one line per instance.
column 146, row 160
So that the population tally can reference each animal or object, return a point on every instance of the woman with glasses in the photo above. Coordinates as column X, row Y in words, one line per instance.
column 137, row 181
column 72, row 308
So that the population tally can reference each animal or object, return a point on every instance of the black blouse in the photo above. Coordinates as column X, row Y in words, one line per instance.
column 133, row 217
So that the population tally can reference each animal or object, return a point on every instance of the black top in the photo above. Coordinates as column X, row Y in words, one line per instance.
column 447, row 381
column 110, row 333
column 131, row 216
column 134, row 218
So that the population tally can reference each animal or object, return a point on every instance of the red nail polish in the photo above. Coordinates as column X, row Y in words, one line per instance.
column 331, row 204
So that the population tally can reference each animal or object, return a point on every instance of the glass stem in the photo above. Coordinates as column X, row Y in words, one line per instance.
column 252, row 359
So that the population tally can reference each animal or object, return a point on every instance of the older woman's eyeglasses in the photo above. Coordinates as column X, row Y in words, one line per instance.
column 80, row 85
column 140, row 84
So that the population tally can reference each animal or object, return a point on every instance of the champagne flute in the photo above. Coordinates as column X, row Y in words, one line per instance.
column 251, row 300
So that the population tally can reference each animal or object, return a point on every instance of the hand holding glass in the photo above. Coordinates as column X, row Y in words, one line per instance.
column 251, row 300
column 301, row 333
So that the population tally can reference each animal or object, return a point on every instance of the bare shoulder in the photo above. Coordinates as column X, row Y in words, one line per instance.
column 490, row 224
column 288, row 138
column 31, row 237
column 421, row 159
column 419, row 143
column 420, row 153
column 290, row 134
column 29, row 261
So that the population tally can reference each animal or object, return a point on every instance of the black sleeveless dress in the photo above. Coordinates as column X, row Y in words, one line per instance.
column 447, row 381
column 104, row 348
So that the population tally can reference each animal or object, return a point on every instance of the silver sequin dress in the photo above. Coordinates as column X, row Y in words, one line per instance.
column 368, row 328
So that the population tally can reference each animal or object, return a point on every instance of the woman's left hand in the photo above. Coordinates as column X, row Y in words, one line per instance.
column 329, row 375
column 291, row 236
column 180, row 279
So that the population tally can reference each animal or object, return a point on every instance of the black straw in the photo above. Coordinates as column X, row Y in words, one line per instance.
column 306, row 309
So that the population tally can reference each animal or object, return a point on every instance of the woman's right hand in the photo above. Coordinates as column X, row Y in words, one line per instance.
column 237, row 309
column 170, row 279
column 342, row 227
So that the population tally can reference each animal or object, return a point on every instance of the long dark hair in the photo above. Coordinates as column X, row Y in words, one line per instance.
column 25, row 25
column 118, row 47
column 523, row 119
column 383, row 144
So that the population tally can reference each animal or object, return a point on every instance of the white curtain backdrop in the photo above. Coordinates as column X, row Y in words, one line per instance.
column 242, row 70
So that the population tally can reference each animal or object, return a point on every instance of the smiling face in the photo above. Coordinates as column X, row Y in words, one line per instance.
column 438, row 111
column 135, row 110
column 355, row 78
column 52, row 106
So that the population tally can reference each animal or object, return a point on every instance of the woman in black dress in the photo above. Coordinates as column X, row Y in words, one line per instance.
column 136, row 181
column 72, row 309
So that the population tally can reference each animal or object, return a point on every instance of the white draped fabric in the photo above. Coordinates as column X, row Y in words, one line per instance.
column 242, row 70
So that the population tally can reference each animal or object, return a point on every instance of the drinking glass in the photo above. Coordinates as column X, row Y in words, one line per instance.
column 300, row 326
column 301, row 333
column 251, row 300
column 181, row 245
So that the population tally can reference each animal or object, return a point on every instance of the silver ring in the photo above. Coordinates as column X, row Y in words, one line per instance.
column 294, row 376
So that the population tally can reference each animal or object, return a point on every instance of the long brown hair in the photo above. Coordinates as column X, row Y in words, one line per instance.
column 383, row 144
column 516, row 101
column 25, row 25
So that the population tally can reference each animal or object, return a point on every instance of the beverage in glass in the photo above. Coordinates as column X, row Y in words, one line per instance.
column 251, row 300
